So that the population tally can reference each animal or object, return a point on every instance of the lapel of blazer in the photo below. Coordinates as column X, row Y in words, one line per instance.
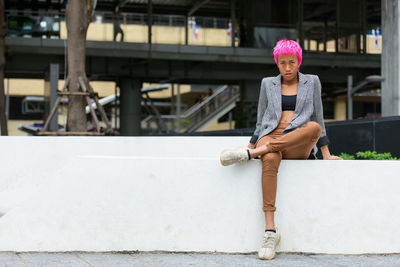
column 301, row 94
column 276, row 92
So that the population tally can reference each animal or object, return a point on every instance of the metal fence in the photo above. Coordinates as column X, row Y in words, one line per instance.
column 196, row 116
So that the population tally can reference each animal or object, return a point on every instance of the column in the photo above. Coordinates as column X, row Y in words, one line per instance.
column 340, row 109
column 390, row 58
column 130, row 107
column 233, row 22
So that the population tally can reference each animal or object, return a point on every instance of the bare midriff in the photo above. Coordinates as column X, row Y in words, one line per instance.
column 287, row 116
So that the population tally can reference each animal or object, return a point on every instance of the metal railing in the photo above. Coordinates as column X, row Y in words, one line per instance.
column 51, row 24
column 197, row 115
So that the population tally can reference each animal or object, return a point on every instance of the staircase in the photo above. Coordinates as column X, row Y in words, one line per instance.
column 199, row 115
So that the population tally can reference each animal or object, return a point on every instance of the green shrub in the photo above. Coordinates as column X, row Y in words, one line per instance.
column 368, row 155
column 346, row 156
column 185, row 123
column 373, row 155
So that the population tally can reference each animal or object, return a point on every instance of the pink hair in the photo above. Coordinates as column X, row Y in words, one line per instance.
column 288, row 47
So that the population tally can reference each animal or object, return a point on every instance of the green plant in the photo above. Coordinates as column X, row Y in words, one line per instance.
column 185, row 123
column 368, row 155
column 373, row 155
column 346, row 156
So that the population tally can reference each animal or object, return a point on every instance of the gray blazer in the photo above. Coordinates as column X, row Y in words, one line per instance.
column 308, row 107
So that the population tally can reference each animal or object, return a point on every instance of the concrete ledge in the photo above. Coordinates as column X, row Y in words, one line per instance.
column 171, row 194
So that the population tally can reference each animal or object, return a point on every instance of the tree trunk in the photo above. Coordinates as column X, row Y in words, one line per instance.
column 78, row 16
column 3, row 30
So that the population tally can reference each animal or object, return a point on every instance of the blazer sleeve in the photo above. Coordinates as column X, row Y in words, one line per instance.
column 262, row 106
column 318, row 115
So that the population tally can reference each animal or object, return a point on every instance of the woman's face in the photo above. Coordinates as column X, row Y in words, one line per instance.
column 288, row 66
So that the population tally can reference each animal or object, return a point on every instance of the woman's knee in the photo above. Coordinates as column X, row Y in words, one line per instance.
column 314, row 127
column 271, row 157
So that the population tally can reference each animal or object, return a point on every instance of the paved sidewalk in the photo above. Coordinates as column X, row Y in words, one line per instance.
column 190, row 259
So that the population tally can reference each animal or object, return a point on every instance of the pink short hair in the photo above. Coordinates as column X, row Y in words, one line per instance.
column 288, row 47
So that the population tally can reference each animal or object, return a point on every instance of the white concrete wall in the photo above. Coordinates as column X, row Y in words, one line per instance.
column 172, row 194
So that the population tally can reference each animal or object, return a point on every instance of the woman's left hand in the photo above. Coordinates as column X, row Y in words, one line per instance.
column 331, row 157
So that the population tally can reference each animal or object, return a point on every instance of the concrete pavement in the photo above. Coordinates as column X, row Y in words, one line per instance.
column 190, row 259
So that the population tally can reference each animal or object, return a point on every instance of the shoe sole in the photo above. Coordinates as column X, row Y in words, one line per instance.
column 273, row 256
column 220, row 158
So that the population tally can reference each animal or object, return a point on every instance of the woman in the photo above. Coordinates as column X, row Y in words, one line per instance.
column 289, row 125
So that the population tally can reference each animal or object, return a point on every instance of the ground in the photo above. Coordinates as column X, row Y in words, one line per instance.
column 190, row 259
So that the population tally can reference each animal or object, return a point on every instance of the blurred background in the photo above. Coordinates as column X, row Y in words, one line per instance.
column 180, row 67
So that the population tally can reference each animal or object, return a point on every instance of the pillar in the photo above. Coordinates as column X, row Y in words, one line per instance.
column 300, row 29
column 149, row 21
column 246, row 109
column 390, row 58
column 233, row 22
column 130, row 107
column 340, row 109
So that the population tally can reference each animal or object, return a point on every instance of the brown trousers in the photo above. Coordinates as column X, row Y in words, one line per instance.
column 296, row 144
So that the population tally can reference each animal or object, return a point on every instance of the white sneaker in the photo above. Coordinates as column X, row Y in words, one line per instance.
column 236, row 155
column 270, row 242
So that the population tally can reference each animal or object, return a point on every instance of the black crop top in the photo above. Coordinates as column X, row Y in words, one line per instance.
column 289, row 102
